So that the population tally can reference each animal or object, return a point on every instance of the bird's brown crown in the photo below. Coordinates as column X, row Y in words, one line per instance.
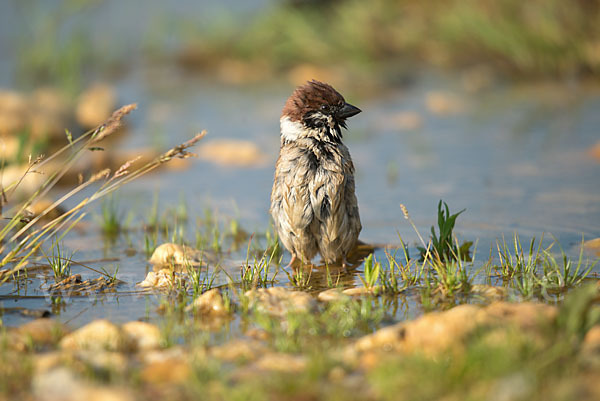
column 310, row 97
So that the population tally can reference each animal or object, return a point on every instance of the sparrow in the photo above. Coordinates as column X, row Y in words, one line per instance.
column 313, row 203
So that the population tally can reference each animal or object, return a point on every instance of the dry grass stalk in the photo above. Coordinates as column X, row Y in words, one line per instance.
column 23, row 244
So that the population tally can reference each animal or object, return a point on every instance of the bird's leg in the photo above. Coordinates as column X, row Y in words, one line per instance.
column 292, row 261
column 344, row 262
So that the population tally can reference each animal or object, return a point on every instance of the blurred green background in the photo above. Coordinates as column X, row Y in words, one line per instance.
column 70, row 42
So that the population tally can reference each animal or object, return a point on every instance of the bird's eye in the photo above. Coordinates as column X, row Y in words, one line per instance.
column 324, row 107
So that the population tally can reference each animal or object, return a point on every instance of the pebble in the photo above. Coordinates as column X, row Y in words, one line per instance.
column 97, row 335
column 209, row 303
column 37, row 333
column 163, row 278
column 233, row 153
column 61, row 384
column 176, row 254
column 436, row 332
column 170, row 366
column 239, row 350
column 592, row 246
column 95, row 105
column 279, row 301
column 145, row 336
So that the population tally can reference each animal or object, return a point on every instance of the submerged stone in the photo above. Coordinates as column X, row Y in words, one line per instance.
column 209, row 303
column 160, row 279
column 279, row 301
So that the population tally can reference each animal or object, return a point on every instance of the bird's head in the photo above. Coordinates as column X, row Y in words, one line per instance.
column 315, row 110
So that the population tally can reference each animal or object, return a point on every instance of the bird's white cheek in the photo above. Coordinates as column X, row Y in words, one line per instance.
column 290, row 130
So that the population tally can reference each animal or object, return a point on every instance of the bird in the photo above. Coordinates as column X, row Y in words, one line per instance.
column 313, row 201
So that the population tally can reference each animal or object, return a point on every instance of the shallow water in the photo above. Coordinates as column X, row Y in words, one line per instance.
column 512, row 155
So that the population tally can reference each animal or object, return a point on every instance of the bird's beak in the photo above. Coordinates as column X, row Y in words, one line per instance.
column 347, row 111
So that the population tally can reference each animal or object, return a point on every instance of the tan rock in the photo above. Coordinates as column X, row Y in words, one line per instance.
column 28, row 182
column 209, row 303
column 590, row 349
column 239, row 350
column 40, row 206
column 176, row 254
column 95, row 105
column 592, row 246
column 170, row 366
column 37, row 333
column 279, row 301
column 233, row 153
column 594, row 151
column 439, row 331
column 489, row 292
column 361, row 291
column 164, row 278
column 591, row 340
column 144, row 336
column 100, row 360
column 97, row 335
column 61, row 384
column 279, row 362
column 14, row 109
column 331, row 295
column 44, row 362
column 48, row 115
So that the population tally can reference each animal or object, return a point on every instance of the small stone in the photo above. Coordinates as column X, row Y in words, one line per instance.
column 144, row 336
column 489, row 292
column 592, row 246
column 103, row 361
column 590, row 349
column 167, row 366
column 28, row 182
column 362, row 291
column 95, row 105
column 57, row 384
column 175, row 254
column 436, row 332
column 46, row 361
column 40, row 206
column 61, row 384
column 164, row 278
column 279, row 362
column 233, row 153
column 331, row 295
column 279, row 301
column 48, row 114
column 594, row 151
column 239, row 350
column 38, row 333
column 592, row 338
column 209, row 303
column 97, row 335
column 14, row 108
